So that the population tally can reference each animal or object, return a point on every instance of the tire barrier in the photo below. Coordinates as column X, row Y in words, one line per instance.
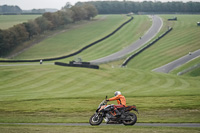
column 78, row 64
column 173, row 19
column 75, row 53
column 147, row 46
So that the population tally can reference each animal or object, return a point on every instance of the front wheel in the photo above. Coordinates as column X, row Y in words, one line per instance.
column 131, row 119
column 96, row 119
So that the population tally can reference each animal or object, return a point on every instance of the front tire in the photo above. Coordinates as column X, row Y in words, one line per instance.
column 132, row 119
column 96, row 119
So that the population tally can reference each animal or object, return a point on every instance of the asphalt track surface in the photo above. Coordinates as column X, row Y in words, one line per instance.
column 174, row 64
column 157, row 24
column 103, row 124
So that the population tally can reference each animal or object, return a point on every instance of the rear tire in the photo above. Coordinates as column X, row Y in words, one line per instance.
column 132, row 121
column 96, row 120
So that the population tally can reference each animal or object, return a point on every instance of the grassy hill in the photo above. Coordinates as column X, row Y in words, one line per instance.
column 74, row 38
column 126, row 36
column 184, row 38
column 7, row 21
column 49, row 93
column 55, row 80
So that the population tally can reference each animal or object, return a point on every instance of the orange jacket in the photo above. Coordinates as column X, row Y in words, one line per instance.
column 120, row 99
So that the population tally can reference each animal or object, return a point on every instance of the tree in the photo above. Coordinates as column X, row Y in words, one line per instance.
column 79, row 13
column 91, row 10
column 65, row 17
column 38, row 11
column 32, row 28
column 1, row 42
column 67, row 6
column 52, row 18
column 8, row 41
column 112, row 7
column 10, row 9
column 43, row 24
column 20, row 34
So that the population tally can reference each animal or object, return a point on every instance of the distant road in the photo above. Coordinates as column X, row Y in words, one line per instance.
column 103, row 124
column 172, row 65
column 152, row 32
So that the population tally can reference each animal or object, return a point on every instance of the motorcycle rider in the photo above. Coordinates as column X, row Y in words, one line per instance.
column 121, row 100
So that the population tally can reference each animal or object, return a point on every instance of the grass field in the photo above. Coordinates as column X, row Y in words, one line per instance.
column 126, row 36
column 67, row 42
column 74, row 39
column 7, row 21
column 45, row 93
column 184, row 38
column 49, row 93
column 89, row 129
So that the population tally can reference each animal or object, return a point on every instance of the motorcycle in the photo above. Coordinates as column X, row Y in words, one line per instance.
column 107, row 112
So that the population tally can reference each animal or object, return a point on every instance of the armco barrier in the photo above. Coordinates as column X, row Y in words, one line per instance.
column 189, row 69
column 85, row 65
column 141, row 50
column 75, row 53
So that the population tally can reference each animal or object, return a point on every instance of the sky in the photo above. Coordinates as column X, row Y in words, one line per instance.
column 57, row 4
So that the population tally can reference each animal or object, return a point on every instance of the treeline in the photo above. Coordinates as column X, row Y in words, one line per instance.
column 10, row 9
column 15, row 10
column 20, row 33
column 117, row 7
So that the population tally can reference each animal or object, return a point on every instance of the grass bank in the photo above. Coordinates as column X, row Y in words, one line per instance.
column 74, row 38
column 192, row 73
column 184, row 38
column 48, row 93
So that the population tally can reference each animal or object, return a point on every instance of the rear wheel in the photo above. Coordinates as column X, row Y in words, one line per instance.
column 96, row 119
column 131, row 119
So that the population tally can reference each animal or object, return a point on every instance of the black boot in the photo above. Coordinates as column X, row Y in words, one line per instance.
column 117, row 113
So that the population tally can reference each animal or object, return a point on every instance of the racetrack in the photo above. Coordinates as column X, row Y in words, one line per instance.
column 155, row 28
column 172, row 65
column 103, row 124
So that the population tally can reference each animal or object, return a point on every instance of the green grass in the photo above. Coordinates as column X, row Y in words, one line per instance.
column 34, row 80
column 192, row 73
column 47, row 93
column 93, row 129
column 7, row 21
column 184, row 38
column 67, row 42
column 126, row 36
column 158, row 109
column 75, row 38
